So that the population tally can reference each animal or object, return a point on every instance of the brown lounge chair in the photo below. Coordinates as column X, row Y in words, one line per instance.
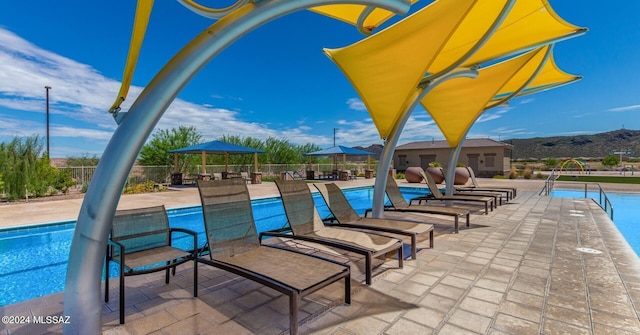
column 346, row 216
column 399, row 204
column 510, row 192
column 437, row 195
column 234, row 246
column 497, row 196
column 140, row 242
column 305, row 224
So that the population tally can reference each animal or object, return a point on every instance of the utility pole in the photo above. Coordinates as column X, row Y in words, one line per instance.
column 47, row 88
column 334, row 136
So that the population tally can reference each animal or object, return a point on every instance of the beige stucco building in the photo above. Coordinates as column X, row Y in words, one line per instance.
column 485, row 156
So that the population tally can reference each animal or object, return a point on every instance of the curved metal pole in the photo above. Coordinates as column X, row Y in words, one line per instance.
column 390, row 143
column 455, row 152
column 82, row 296
column 392, row 140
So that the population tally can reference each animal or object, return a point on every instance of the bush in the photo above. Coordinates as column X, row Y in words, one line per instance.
column 539, row 175
column 527, row 173
column 399, row 175
column 145, row 187
column 499, row 176
column 435, row 164
column 513, row 173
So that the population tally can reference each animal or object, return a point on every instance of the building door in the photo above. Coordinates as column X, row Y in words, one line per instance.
column 425, row 160
column 473, row 162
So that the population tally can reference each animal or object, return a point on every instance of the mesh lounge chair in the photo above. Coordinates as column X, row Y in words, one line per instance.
column 497, row 196
column 437, row 195
column 346, row 216
column 510, row 192
column 398, row 204
column 306, row 225
column 140, row 242
column 234, row 246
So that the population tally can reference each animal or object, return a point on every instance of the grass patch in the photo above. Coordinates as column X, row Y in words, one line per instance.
column 601, row 179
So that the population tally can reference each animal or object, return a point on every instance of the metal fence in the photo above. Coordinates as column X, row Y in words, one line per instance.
column 162, row 174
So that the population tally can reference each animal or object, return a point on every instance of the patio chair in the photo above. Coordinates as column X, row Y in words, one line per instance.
column 497, row 196
column 245, row 177
column 510, row 192
column 140, row 243
column 234, row 246
column 399, row 204
column 305, row 224
column 216, row 176
column 437, row 195
column 345, row 216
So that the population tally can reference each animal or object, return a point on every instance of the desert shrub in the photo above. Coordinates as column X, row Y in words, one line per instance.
column 399, row 175
column 499, row 176
column 513, row 173
column 527, row 173
column 539, row 175
column 435, row 164
column 145, row 187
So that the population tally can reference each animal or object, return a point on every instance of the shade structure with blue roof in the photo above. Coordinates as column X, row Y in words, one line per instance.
column 216, row 147
column 344, row 151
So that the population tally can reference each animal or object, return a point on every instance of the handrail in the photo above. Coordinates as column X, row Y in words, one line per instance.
column 602, row 201
column 602, row 194
column 548, row 184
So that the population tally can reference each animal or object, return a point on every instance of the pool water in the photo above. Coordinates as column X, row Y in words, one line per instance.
column 625, row 212
column 33, row 260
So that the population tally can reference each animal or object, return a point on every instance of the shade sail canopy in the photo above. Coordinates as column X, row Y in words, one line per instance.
column 353, row 14
column 386, row 68
column 456, row 104
column 340, row 150
column 216, row 147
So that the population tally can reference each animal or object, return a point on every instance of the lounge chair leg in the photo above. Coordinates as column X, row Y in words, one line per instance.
column 195, row 276
column 413, row 246
column 106, row 276
column 347, row 289
column 121, row 297
column 430, row 239
column 367, row 266
column 455, row 223
column 293, row 313
column 468, row 217
column 400, row 257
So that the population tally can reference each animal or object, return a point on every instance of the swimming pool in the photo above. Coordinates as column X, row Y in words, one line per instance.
column 33, row 260
column 625, row 214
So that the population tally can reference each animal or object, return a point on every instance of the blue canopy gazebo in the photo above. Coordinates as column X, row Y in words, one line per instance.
column 344, row 151
column 216, row 147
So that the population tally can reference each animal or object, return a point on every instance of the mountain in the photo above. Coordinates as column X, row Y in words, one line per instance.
column 595, row 146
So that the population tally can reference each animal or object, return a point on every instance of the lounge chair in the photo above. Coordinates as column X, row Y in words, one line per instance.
column 345, row 216
column 140, row 242
column 234, row 246
column 497, row 196
column 305, row 224
column 437, row 195
column 510, row 192
column 399, row 204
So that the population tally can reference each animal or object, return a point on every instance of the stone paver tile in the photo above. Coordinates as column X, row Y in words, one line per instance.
column 150, row 323
column 470, row 321
column 513, row 325
column 196, row 324
column 438, row 302
column 413, row 288
column 261, row 317
column 455, row 281
column 447, row 291
column 524, row 298
column 567, row 302
column 624, row 309
column 425, row 316
column 531, row 271
column 492, row 285
column 604, row 329
column 479, row 306
column 365, row 325
column 407, row 327
column 565, row 315
column 229, row 327
column 528, row 287
column 556, row 327
column 616, row 321
column 449, row 329
column 424, row 279
column 325, row 322
column 520, row 311
column 485, row 294
column 252, row 299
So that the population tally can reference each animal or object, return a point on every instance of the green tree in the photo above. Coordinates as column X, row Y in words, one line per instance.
column 550, row 163
column 156, row 151
column 83, row 160
column 610, row 160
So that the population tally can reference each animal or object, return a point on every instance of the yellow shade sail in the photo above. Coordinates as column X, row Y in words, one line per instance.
column 550, row 76
column 143, row 12
column 456, row 104
column 386, row 68
column 351, row 14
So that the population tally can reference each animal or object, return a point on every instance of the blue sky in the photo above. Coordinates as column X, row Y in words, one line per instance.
column 276, row 81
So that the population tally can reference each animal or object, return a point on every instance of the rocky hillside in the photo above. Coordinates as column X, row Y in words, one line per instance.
column 595, row 146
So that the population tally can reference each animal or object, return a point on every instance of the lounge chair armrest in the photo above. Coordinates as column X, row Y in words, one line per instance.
column 369, row 210
column 276, row 233
column 190, row 232
column 119, row 245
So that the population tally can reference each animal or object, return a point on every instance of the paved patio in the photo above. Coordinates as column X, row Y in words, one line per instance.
column 517, row 270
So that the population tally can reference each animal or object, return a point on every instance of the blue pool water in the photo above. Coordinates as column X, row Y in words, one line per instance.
column 625, row 212
column 33, row 261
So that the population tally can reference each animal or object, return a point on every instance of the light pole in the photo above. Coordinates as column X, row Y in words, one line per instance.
column 47, row 88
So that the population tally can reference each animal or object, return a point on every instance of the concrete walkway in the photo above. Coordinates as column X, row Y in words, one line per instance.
column 518, row 270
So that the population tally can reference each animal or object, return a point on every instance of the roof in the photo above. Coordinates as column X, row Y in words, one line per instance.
column 216, row 147
column 340, row 150
column 442, row 144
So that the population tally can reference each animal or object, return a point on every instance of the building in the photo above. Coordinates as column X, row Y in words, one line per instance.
column 485, row 156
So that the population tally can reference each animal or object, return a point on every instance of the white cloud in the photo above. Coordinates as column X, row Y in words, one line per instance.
column 624, row 109
column 527, row 100
column 356, row 104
